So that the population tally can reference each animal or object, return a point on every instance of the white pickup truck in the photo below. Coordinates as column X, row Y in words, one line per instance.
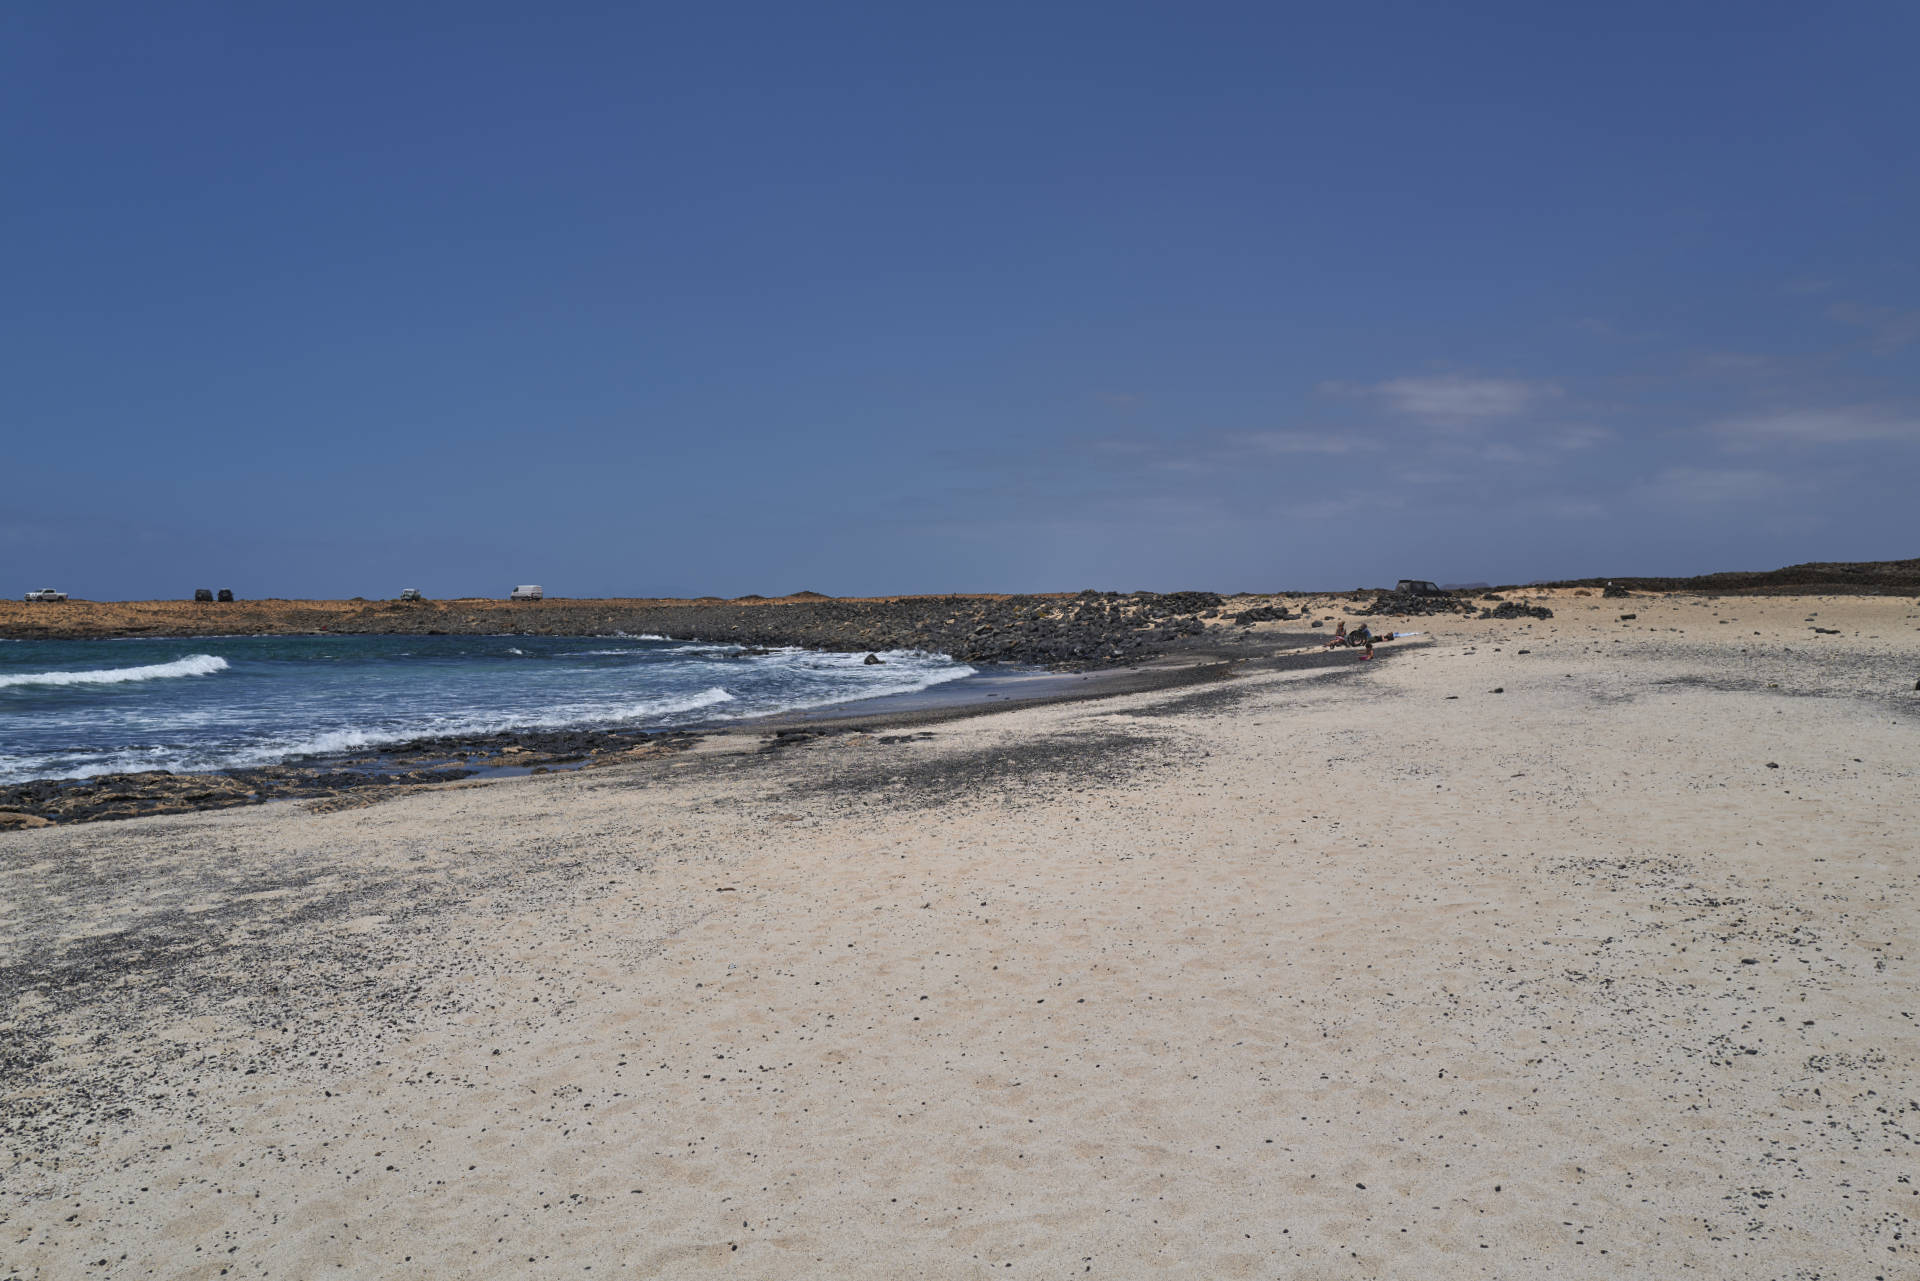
column 46, row 593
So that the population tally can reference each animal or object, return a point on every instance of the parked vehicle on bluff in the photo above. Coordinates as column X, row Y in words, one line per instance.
column 1417, row 587
column 411, row 593
column 526, row 591
column 46, row 593
column 203, row 595
column 225, row 596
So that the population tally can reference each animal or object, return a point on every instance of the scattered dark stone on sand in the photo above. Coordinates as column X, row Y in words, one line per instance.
column 1628, row 618
column 1615, row 590
column 1498, row 689
column 1262, row 614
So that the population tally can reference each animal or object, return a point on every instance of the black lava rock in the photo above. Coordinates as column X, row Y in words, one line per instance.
column 1514, row 609
column 1415, row 604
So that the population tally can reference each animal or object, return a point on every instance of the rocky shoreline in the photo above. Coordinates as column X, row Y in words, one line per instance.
column 1085, row 632
column 332, row 782
column 1091, row 631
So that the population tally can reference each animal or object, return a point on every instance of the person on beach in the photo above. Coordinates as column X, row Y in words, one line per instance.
column 1339, row 636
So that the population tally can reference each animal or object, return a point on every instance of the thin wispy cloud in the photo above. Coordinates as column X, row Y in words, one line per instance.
column 1350, row 503
column 1451, row 400
column 1683, row 486
column 1846, row 425
column 1720, row 364
column 1888, row 328
column 1303, row 442
column 1573, row 439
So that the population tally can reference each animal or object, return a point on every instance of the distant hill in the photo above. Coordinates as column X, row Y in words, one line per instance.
column 1861, row 577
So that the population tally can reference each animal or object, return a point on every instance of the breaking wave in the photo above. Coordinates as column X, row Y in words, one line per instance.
column 192, row 665
column 335, row 741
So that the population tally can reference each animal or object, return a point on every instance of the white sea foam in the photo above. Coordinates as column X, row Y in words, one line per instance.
column 692, row 703
column 902, row 679
column 335, row 741
column 192, row 665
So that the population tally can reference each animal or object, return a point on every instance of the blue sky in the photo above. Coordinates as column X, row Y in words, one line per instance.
column 646, row 299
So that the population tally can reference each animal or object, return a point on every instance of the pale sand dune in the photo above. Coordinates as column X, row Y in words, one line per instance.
column 1320, row 977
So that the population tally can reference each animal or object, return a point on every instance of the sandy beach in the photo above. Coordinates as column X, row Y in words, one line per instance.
column 1580, row 947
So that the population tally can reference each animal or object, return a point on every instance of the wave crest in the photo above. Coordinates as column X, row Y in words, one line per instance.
column 192, row 665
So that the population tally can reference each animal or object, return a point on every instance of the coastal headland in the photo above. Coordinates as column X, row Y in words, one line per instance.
column 1578, row 946
column 1082, row 629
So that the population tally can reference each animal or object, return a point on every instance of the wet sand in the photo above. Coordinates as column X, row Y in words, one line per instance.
column 1581, row 947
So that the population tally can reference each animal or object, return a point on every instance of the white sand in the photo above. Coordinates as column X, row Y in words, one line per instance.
column 1376, row 975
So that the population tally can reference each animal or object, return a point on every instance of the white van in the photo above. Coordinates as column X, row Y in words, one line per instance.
column 526, row 591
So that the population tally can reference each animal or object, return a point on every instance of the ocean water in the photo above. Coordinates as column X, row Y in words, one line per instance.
column 77, row 708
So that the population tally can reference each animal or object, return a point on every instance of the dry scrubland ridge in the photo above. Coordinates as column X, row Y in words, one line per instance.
column 1825, row 577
